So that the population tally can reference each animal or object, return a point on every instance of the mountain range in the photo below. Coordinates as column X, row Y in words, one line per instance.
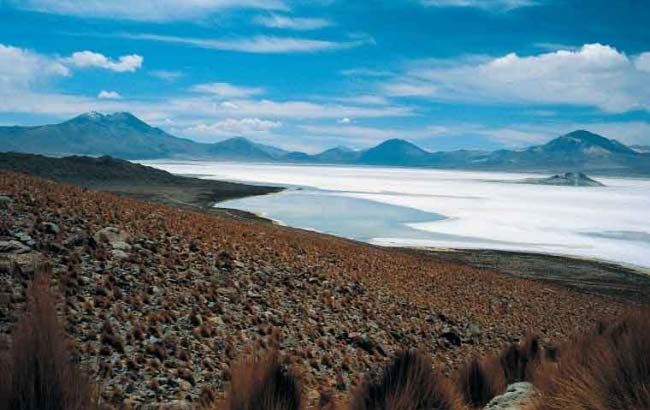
column 123, row 135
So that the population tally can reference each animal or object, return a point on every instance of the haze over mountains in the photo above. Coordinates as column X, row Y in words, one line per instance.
column 125, row 136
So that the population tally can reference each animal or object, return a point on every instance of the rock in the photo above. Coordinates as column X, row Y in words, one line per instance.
column 5, row 201
column 173, row 405
column 474, row 330
column 119, row 254
column 183, row 385
column 51, row 228
column 115, row 237
column 27, row 262
column 74, row 240
column 452, row 337
column 25, row 238
column 12, row 246
column 516, row 397
column 216, row 320
column 362, row 341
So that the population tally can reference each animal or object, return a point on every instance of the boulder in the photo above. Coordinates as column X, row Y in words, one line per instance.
column 12, row 246
column 5, row 201
column 51, row 228
column 119, row 254
column 518, row 396
column 116, row 237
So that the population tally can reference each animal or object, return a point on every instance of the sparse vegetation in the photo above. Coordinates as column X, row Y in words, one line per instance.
column 479, row 381
column 38, row 372
column 263, row 383
column 608, row 369
column 162, row 314
column 408, row 383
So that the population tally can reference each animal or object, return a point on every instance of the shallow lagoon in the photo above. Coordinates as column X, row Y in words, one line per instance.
column 420, row 207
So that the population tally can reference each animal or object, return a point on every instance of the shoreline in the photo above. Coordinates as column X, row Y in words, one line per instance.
column 579, row 274
column 583, row 275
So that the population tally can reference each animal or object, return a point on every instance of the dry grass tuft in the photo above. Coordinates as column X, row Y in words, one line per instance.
column 519, row 362
column 607, row 370
column 479, row 381
column 408, row 383
column 264, row 384
column 38, row 373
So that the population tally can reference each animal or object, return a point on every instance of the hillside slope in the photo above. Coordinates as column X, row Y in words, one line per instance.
column 124, row 177
column 160, row 301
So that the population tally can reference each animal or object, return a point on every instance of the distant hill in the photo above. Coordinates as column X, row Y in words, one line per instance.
column 337, row 155
column 575, row 179
column 120, row 135
column 124, row 177
column 124, row 136
column 395, row 152
column 578, row 151
column 86, row 171
column 241, row 149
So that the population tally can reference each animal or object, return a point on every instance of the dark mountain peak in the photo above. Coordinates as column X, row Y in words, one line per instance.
column 238, row 141
column 398, row 142
column 123, row 116
column 341, row 148
column 118, row 119
column 583, row 134
column 395, row 152
column 91, row 116
column 585, row 142
column 240, row 148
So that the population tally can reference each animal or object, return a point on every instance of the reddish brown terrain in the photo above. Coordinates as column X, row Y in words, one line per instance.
column 161, row 301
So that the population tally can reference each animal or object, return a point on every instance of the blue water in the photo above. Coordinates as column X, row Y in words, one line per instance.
column 352, row 218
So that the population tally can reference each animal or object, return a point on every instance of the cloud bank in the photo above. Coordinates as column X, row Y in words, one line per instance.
column 144, row 10
column 594, row 75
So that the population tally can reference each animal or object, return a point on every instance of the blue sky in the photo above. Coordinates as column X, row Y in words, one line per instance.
column 308, row 75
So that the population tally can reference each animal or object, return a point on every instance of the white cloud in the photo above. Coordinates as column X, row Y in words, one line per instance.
column 526, row 134
column 166, row 75
column 367, row 134
column 231, row 127
column 501, row 5
column 229, row 104
column 108, row 95
column 292, row 23
column 412, row 88
column 595, row 75
column 257, row 44
column 281, row 109
column 344, row 120
column 642, row 62
column 365, row 100
column 144, row 10
column 85, row 59
column 365, row 72
column 226, row 90
column 19, row 68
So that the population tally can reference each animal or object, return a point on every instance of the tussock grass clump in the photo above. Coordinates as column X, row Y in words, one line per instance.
column 408, row 383
column 519, row 362
column 264, row 384
column 38, row 373
column 479, row 381
column 607, row 370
